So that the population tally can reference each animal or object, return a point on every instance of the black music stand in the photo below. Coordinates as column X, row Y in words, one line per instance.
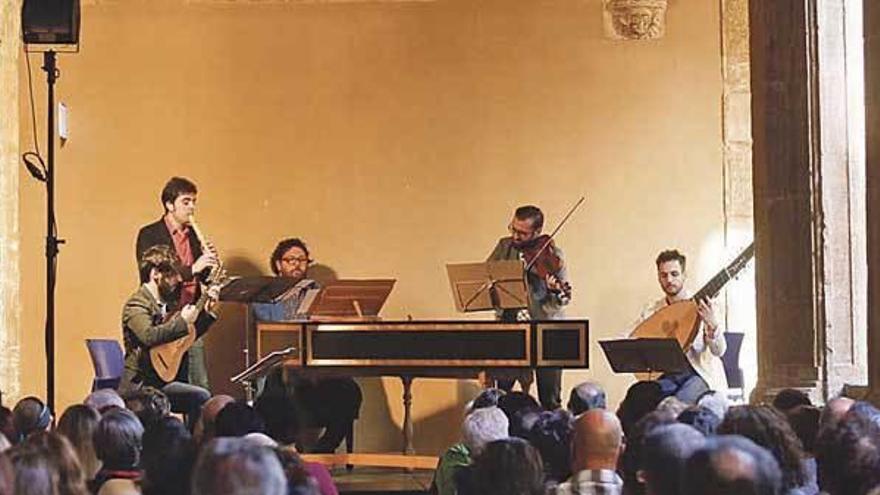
column 260, row 289
column 261, row 368
column 644, row 355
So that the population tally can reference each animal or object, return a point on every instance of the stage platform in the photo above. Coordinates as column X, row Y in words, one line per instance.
column 374, row 481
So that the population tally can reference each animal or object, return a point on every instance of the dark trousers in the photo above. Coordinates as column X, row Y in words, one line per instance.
column 186, row 399
column 686, row 386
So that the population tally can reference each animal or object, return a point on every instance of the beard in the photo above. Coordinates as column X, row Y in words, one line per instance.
column 169, row 293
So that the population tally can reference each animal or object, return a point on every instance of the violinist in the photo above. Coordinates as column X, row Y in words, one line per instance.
column 548, row 287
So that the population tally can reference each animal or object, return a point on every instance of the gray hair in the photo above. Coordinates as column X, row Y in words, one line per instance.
column 482, row 426
column 715, row 402
column 104, row 398
column 234, row 466
column 118, row 439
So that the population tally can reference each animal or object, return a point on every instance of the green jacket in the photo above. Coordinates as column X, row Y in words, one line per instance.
column 143, row 327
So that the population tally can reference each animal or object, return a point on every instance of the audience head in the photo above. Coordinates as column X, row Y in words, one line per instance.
column 63, row 461
column 586, row 396
column 78, row 425
column 804, row 420
column 487, row 398
column 237, row 419
column 731, row 465
column 673, row 405
column 597, row 442
column 30, row 415
column 631, row 460
column 232, row 466
column 833, row 411
column 280, row 413
column 769, row 429
column 168, row 458
column 701, row 418
column 665, row 451
column 33, row 471
column 482, row 426
column 118, row 440
column 149, row 404
column 641, row 398
column 210, row 409
column 508, row 467
column 848, row 456
column 716, row 402
column 103, row 399
column 551, row 435
column 522, row 411
column 789, row 398
column 7, row 426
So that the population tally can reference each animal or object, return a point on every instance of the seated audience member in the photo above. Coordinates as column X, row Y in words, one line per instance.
column 641, row 399
column 231, row 466
column 521, row 410
column 487, row 398
column 595, row 450
column 62, row 459
column 149, row 404
column 551, row 435
column 701, row 418
column 237, row 419
column 834, row 410
column 665, row 451
column 789, row 398
column 631, row 459
column 731, row 465
column 716, row 402
column 7, row 474
column 32, row 471
column 584, row 397
column 504, row 467
column 299, row 482
column 673, row 405
column 305, row 478
column 78, row 425
column 848, row 456
column 118, row 441
column 7, row 427
column 280, row 415
column 204, row 429
column 769, row 429
column 103, row 399
column 804, row 420
column 480, row 427
column 168, row 457
column 30, row 415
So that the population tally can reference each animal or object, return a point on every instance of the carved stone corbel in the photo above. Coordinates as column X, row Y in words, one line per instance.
column 635, row 19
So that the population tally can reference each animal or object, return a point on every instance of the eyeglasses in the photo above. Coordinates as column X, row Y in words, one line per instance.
column 296, row 260
column 521, row 233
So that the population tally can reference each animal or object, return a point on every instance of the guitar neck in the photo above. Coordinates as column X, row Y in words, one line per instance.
column 714, row 286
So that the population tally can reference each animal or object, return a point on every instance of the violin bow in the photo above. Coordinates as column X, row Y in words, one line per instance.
column 553, row 234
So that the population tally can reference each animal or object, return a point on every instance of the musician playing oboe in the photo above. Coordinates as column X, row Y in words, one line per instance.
column 174, row 230
column 706, row 372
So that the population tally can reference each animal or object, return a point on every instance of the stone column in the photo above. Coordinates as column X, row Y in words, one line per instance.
column 872, row 110
column 10, row 165
column 805, row 303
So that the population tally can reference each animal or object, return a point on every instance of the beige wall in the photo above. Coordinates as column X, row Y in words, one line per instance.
column 393, row 137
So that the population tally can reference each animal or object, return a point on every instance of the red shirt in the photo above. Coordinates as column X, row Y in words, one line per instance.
column 180, row 237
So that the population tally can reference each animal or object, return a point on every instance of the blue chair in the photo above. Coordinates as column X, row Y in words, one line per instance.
column 108, row 362
column 730, row 359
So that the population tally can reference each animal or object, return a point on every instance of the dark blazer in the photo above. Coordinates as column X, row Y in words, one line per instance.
column 157, row 233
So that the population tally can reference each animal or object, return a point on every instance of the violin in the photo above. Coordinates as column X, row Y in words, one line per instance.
column 540, row 257
column 541, row 260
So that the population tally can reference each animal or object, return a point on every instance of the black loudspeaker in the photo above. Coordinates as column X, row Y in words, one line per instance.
column 54, row 22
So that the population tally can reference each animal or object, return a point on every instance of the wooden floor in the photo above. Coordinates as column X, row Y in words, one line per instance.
column 372, row 481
